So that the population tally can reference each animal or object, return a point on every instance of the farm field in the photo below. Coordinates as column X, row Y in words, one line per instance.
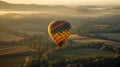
column 14, row 56
column 114, row 36
column 84, row 39
column 8, row 37
column 13, row 50
column 14, row 61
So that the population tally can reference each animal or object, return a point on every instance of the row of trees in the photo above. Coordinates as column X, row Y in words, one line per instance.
column 79, row 61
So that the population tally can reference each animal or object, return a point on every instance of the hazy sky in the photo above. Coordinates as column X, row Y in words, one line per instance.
column 67, row 2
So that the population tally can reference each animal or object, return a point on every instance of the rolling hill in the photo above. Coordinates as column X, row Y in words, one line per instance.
column 32, row 7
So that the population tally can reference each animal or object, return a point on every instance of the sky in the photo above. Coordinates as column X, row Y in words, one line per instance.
column 66, row 2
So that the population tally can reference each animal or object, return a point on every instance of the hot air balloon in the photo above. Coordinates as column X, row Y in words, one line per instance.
column 59, row 31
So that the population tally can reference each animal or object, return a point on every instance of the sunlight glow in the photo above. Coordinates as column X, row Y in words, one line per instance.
column 66, row 2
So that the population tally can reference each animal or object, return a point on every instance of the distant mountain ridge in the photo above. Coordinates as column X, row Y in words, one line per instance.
column 10, row 6
column 36, row 7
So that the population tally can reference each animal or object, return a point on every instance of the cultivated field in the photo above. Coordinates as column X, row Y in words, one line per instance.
column 15, row 61
column 14, row 56
column 84, row 39
column 114, row 36
column 8, row 37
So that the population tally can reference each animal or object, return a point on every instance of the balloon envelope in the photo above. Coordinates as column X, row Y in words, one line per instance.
column 59, row 31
